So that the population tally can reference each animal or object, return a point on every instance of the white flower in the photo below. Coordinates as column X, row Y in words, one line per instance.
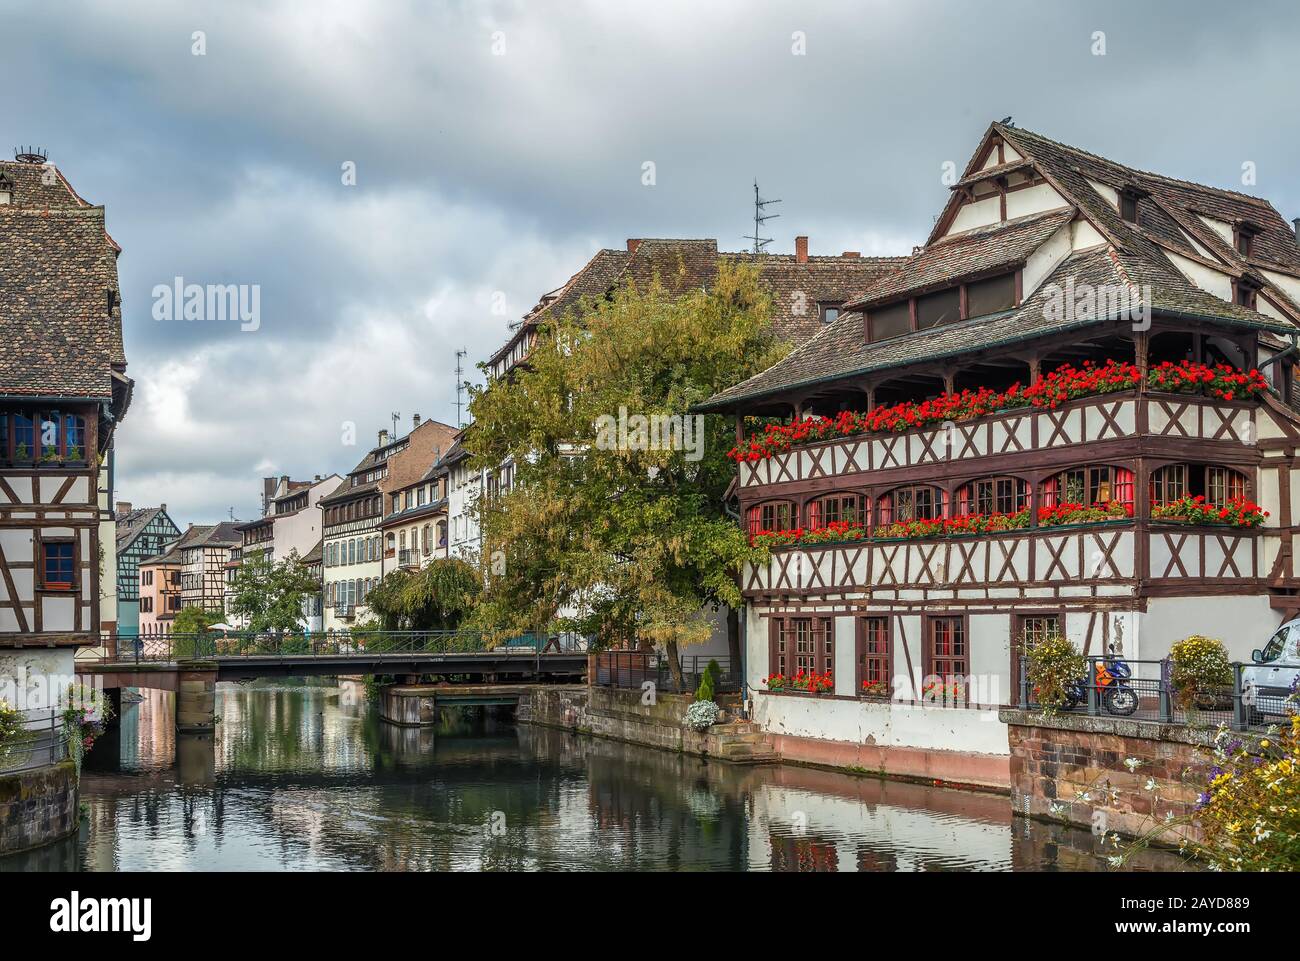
column 1151, row 784
column 1132, row 763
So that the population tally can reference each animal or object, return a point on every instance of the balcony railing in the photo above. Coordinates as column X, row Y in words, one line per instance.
column 1148, row 694
column 1105, row 417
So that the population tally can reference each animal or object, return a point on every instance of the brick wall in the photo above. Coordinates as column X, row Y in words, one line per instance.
column 1055, row 760
column 37, row 807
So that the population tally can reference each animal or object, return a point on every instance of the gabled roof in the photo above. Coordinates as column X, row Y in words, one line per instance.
column 1132, row 255
column 132, row 524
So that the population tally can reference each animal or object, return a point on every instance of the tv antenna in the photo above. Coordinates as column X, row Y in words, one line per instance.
column 396, row 416
column 760, row 218
column 460, row 384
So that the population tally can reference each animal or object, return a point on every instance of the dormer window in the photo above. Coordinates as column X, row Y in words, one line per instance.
column 828, row 312
column 1243, row 293
column 1244, row 239
column 1128, row 205
column 975, row 298
column 6, row 189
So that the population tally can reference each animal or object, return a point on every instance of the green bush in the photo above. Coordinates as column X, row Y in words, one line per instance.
column 1199, row 666
column 708, row 682
column 1053, row 664
column 11, row 727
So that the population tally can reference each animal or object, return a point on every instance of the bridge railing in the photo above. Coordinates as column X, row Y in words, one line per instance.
column 634, row 669
column 133, row 649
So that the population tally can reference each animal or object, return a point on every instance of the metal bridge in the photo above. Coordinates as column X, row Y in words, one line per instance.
column 147, row 660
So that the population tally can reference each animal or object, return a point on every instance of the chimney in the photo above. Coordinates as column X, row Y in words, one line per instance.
column 801, row 250
column 415, row 421
column 851, row 253
column 1295, row 225
column 268, row 491
column 124, row 507
column 163, row 508
column 632, row 245
column 383, row 438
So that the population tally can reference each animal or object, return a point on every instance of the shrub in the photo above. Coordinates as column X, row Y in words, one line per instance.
column 1052, row 665
column 708, row 681
column 1200, row 666
column 1249, row 812
column 701, row 715
column 11, row 726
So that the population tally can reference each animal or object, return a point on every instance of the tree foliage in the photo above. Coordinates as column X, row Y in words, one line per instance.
column 630, row 535
column 270, row 595
column 195, row 620
column 435, row 598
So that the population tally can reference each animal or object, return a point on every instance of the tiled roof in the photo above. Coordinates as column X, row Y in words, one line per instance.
column 316, row 554
column 997, row 246
column 58, row 335
column 842, row 350
column 130, row 524
column 1177, row 202
column 683, row 264
column 1133, row 255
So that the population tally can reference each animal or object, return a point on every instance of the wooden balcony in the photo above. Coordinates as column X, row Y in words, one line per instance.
column 1112, row 557
column 1111, row 419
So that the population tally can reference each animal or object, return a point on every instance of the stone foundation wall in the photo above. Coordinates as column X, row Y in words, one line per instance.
column 622, row 716
column 1073, row 768
column 37, row 807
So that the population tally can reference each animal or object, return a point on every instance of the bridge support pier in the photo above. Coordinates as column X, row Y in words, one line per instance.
column 196, row 699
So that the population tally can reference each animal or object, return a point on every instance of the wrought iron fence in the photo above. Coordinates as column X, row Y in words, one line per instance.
column 1149, row 694
column 632, row 669
column 123, row 649
column 36, row 747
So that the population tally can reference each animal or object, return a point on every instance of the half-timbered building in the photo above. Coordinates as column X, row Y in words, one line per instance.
column 63, row 391
column 141, row 532
column 1069, row 411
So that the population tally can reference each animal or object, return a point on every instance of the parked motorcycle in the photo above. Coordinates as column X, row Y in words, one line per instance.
column 1114, row 692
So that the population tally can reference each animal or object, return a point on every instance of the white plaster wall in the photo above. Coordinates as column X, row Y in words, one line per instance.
column 978, row 214
column 1033, row 200
column 1084, row 235
column 1211, row 281
column 30, row 678
column 1242, row 623
column 1220, row 227
column 1108, row 193
column 891, row 725
column 1287, row 284
column 1044, row 260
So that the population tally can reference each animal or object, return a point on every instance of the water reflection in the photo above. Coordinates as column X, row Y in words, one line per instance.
column 302, row 775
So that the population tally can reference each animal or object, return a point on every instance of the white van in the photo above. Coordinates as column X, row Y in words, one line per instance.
column 1272, row 677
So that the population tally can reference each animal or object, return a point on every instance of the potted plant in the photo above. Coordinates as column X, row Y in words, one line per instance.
column 1200, row 674
column 1052, row 664
column 877, row 689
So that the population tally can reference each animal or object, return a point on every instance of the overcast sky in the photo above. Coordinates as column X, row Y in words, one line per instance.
column 497, row 146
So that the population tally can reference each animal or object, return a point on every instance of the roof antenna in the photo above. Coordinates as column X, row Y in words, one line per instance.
column 460, row 384
column 396, row 417
column 760, row 218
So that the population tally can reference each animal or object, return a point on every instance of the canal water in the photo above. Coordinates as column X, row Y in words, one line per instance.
column 301, row 775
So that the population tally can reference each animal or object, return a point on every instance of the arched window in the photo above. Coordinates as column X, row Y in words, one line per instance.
column 989, row 495
column 1217, row 484
column 837, row 508
column 918, row 503
column 772, row 516
column 1089, row 486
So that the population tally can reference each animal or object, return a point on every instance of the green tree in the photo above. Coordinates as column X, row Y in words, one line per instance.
column 188, row 628
column 603, row 520
column 435, row 598
column 270, row 595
